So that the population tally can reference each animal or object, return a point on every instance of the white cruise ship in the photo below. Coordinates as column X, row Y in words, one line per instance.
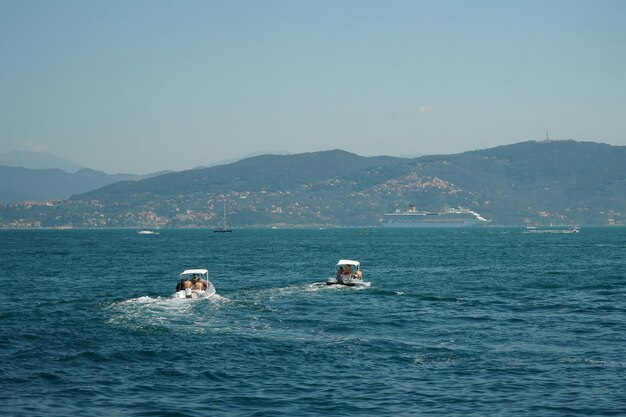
column 454, row 217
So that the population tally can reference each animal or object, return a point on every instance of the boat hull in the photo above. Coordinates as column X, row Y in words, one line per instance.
column 419, row 224
column 190, row 294
column 556, row 231
column 456, row 217
column 348, row 282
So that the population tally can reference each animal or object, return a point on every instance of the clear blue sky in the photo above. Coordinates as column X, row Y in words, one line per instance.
column 140, row 86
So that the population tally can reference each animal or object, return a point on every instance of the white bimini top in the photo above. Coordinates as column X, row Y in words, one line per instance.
column 194, row 271
column 348, row 262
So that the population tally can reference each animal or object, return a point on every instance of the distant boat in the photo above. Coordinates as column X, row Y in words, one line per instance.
column 569, row 230
column 452, row 217
column 225, row 227
column 148, row 231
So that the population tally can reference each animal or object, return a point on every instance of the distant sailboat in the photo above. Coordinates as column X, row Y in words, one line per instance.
column 225, row 227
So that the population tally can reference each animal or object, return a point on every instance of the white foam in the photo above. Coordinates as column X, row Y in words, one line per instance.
column 162, row 311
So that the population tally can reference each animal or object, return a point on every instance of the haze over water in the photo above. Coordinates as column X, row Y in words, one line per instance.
column 456, row 323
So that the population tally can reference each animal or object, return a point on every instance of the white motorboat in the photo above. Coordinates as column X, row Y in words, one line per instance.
column 147, row 231
column 569, row 230
column 348, row 274
column 194, row 284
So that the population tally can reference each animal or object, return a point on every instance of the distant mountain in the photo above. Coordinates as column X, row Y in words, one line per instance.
column 37, row 160
column 559, row 182
column 23, row 184
column 410, row 156
column 250, row 155
column 265, row 172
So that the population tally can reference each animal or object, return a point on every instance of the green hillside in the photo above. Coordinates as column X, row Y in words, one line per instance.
column 559, row 182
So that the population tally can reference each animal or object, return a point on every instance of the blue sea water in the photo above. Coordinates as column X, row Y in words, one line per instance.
column 484, row 322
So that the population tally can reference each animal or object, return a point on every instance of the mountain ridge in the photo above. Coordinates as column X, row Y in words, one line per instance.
column 19, row 184
column 565, row 182
column 38, row 160
column 264, row 171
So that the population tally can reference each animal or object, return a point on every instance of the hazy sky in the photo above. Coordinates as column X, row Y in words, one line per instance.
column 141, row 86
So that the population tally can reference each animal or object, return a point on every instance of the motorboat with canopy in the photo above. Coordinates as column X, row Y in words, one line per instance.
column 348, row 274
column 194, row 284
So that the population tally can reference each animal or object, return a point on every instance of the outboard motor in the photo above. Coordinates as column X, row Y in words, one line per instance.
column 187, row 292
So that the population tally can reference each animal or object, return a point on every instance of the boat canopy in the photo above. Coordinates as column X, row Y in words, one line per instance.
column 194, row 271
column 348, row 262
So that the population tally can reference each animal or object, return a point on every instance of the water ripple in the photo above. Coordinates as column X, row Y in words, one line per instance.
column 469, row 323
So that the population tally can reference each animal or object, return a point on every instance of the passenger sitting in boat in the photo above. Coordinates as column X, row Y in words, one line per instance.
column 181, row 285
column 348, row 270
column 339, row 272
column 197, row 284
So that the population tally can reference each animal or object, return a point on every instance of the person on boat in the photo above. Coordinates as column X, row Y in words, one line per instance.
column 348, row 270
column 339, row 272
column 359, row 274
column 187, row 283
column 197, row 284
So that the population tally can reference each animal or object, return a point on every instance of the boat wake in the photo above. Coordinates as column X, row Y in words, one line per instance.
column 311, row 287
column 323, row 286
column 151, row 312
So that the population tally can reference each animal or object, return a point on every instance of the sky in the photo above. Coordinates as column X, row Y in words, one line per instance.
column 142, row 86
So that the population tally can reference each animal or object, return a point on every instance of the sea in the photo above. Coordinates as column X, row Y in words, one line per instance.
column 456, row 322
